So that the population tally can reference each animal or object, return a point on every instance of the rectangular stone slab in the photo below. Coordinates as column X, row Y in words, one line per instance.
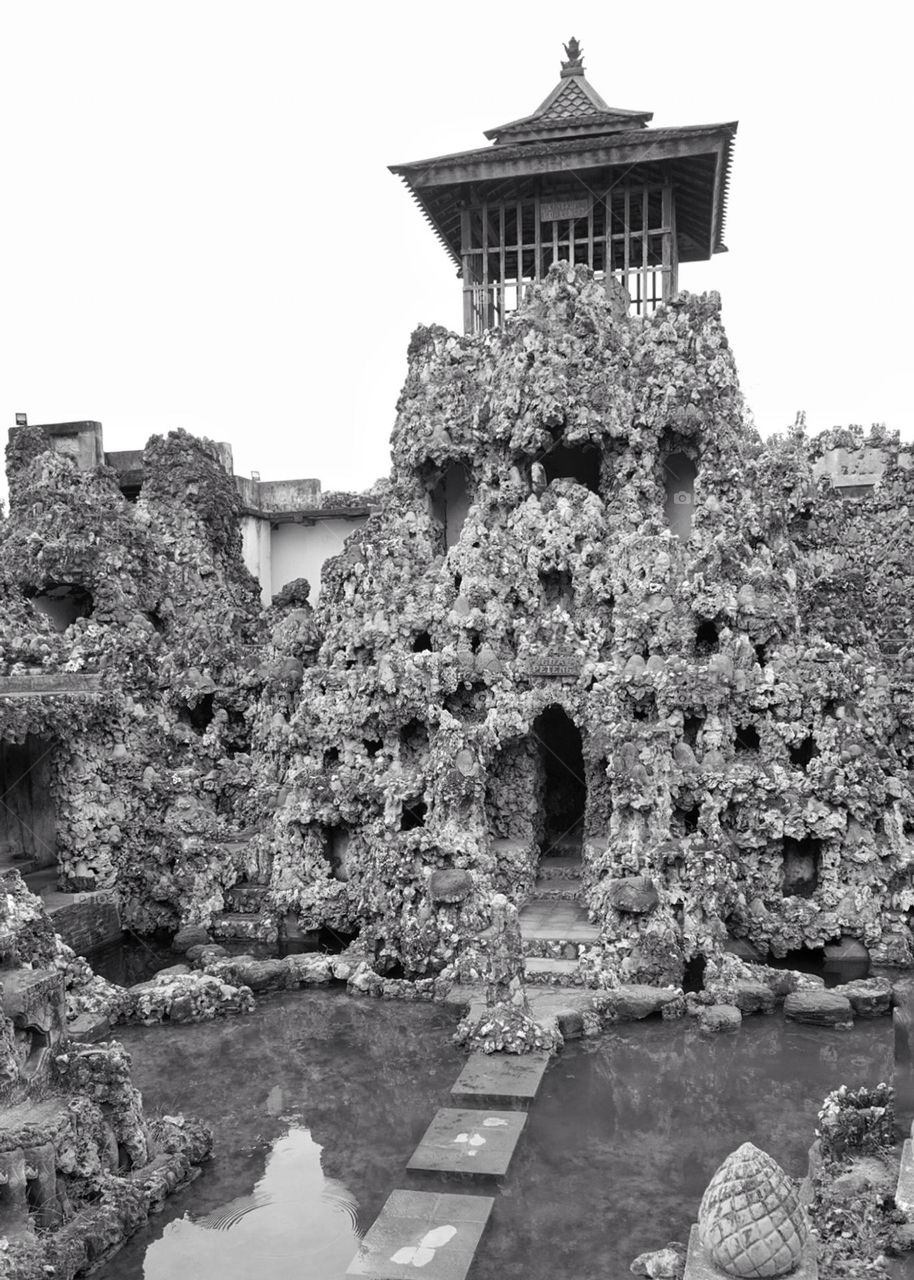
column 451, row 1225
column 476, row 1144
column 511, row 1079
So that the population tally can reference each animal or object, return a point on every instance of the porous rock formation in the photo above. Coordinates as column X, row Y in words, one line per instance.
column 148, row 768
column 81, row 1166
column 584, row 535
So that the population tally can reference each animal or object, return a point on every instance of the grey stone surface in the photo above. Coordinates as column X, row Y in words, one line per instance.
column 700, row 1267
column 903, row 1024
column 635, row 1000
column 635, row 894
column 478, row 1143
column 904, row 1192
column 420, row 1233
column 719, row 1017
column 869, row 997
column 753, row 997
column 819, row 1007
column 506, row 1078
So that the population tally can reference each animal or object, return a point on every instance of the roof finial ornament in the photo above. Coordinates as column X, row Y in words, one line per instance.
column 575, row 54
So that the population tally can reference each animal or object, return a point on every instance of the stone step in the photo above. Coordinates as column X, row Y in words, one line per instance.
column 244, row 926
column 556, row 929
column 468, row 1143
column 542, row 972
column 421, row 1229
column 500, row 1079
column 565, row 868
column 246, row 898
column 555, row 891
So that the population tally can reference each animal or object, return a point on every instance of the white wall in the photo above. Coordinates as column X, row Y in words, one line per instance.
column 299, row 550
column 256, row 547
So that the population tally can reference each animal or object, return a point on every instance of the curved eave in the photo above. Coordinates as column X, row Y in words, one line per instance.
column 435, row 226
column 724, row 189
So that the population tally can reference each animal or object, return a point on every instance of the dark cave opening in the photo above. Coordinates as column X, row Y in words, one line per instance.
column 802, row 752
column 199, row 715
column 334, row 941
column 803, row 959
column 336, row 850
column 688, row 817
column 573, row 462
column 691, row 727
column 747, row 738
column 467, row 702
column 645, row 707
column 414, row 736
column 707, row 640
column 413, row 813
column 693, row 977
column 422, row 642
column 372, row 746
column 449, row 501
column 28, row 813
column 62, row 603
column 564, row 790
column 678, row 472
column 155, row 619
column 556, row 586
column 801, row 866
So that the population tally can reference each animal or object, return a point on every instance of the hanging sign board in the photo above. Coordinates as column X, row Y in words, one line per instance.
column 562, row 210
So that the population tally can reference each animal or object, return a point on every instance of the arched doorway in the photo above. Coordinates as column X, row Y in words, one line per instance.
column 563, row 797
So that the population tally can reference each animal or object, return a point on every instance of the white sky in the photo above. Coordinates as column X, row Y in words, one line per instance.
column 199, row 228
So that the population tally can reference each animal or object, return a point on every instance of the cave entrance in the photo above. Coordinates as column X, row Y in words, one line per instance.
column 449, row 502
column 563, row 795
column 28, row 821
column 678, row 473
column 63, row 603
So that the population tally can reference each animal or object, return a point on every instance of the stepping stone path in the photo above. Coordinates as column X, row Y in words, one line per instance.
column 501, row 1079
column 420, row 1232
column 460, row 1142
column 434, row 1234
column 554, row 916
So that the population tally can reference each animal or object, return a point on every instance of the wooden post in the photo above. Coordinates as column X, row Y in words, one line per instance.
column 538, row 241
column 466, row 271
column 667, row 243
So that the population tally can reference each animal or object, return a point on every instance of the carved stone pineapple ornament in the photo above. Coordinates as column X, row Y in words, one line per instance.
column 751, row 1221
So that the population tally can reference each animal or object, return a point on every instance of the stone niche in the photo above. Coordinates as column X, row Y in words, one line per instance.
column 801, row 861
column 28, row 822
column 449, row 501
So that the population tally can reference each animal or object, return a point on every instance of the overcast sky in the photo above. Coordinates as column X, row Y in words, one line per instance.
column 199, row 228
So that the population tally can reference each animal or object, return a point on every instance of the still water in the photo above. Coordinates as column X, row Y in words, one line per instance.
column 318, row 1099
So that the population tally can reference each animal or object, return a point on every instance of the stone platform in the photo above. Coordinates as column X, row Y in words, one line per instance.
column 475, row 1144
column 500, row 1079
column 423, row 1233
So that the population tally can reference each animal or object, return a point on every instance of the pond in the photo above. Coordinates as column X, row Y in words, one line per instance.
column 318, row 1100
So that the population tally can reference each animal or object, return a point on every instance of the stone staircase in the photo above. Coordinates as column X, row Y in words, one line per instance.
column 245, row 919
column 554, row 924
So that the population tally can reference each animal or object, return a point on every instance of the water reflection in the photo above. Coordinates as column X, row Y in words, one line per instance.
column 296, row 1222
column 318, row 1100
